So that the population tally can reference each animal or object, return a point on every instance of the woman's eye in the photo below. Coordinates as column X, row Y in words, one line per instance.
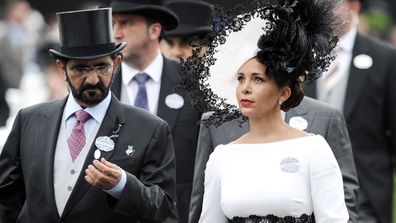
column 258, row 80
column 240, row 78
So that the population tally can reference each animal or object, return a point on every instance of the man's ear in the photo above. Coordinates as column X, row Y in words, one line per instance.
column 117, row 61
column 155, row 31
column 61, row 65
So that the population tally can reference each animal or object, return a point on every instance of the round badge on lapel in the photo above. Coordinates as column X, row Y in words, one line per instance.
column 363, row 61
column 104, row 143
column 298, row 122
column 290, row 165
column 174, row 101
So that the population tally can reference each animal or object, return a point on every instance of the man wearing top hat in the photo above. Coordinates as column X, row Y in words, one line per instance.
column 148, row 80
column 87, row 157
column 194, row 22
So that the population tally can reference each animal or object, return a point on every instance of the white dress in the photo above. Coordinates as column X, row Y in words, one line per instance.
column 287, row 178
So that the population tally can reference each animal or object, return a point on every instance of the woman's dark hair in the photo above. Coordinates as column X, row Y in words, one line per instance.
column 296, row 43
column 297, row 46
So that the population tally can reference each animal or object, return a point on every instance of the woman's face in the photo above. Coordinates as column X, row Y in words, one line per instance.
column 257, row 94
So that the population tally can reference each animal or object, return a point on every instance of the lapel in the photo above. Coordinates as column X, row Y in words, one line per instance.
column 169, row 81
column 49, row 127
column 113, row 117
column 116, row 84
column 301, row 110
column 357, row 77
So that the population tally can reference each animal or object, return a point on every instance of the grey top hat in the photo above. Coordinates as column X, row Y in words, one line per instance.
column 149, row 8
column 194, row 17
column 86, row 34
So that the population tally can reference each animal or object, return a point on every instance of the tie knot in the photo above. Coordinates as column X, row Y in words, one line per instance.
column 141, row 78
column 82, row 116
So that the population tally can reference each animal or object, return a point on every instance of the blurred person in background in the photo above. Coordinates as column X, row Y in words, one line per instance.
column 360, row 83
column 392, row 36
column 54, row 78
column 4, row 108
column 18, row 43
column 148, row 80
column 194, row 22
column 13, row 41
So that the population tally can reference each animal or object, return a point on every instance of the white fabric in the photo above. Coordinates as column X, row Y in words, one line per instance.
column 336, row 94
column 153, row 85
column 229, row 59
column 66, row 172
column 247, row 179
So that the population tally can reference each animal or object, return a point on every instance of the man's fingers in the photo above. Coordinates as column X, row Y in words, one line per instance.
column 106, row 170
column 96, row 177
column 109, row 164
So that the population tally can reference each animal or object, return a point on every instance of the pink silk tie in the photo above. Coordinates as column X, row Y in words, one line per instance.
column 76, row 140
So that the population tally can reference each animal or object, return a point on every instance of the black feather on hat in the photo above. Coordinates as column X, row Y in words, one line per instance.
column 293, row 38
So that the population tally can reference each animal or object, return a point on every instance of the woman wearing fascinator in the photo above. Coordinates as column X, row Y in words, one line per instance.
column 274, row 173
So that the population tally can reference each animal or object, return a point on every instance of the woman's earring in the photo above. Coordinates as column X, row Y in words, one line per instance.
column 280, row 102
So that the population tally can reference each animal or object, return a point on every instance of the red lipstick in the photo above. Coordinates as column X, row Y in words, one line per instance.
column 246, row 102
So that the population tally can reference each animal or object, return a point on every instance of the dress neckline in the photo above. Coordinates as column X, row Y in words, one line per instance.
column 280, row 141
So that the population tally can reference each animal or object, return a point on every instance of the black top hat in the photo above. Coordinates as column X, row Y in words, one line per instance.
column 149, row 8
column 86, row 34
column 194, row 17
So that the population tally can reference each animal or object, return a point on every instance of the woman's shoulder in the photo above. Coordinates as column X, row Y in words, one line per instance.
column 218, row 150
column 316, row 141
column 318, row 147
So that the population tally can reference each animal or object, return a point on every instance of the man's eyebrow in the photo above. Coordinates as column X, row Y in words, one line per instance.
column 100, row 63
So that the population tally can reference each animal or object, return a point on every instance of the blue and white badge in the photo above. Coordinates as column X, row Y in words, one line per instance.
column 290, row 165
column 104, row 143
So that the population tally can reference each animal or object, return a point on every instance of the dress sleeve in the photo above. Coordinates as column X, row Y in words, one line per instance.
column 326, row 185
column 211, row 206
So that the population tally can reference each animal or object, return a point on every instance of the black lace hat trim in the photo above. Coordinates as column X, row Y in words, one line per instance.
column 297, row 41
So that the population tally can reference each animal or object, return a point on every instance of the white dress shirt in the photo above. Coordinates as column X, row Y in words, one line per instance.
column 97, row 115
column 344, row 58
column 153, row 85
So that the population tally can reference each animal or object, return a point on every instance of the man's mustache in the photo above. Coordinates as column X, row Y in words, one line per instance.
column 99, row 86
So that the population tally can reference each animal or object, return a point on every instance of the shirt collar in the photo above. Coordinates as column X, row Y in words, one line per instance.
column 154, row 70
column 97, row 112
column 347, row 41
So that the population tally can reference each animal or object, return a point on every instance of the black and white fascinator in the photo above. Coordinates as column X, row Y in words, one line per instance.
column 293, row 38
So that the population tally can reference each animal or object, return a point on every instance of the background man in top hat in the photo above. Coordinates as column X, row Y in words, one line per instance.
column 194, row 22
column 361, row 83
column 87, row 158
column 148, row 80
